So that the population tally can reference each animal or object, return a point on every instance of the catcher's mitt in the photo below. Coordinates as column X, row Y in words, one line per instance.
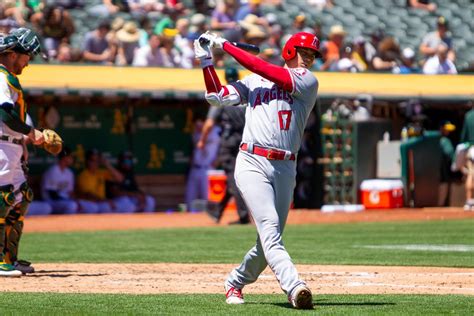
column 52, row 142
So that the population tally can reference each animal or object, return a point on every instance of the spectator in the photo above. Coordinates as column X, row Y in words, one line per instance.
column 222, row 17
column 14, row 14
column 96, row 47
column 145, row 28
column 440, row 64
column 57, row 185
column 346, row 63
column 183, row 44
column 387, row 56
column 109, row 7
column 408, row 63
column 127, row 39
column 149, row 55
column 432, row 40
column 171, row 56
column 198, row 25
column 8, row 24
column 251, row 7
column 422, row 4
column 359, row 54
column 255, row 36
column 371, row 46
column 299, row 25
column 91, row 185
column 321, row 4
column 70, row 4
column 129, row 188
column 271, row 49
column 201, row 161
column 56, row 26
column 141, row 8
column 68, row 54
column 333, row 47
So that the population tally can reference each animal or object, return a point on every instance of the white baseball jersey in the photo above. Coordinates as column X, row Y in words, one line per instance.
column 61, row 181
column 10, row 153
column 8, row 94
column 274, row 117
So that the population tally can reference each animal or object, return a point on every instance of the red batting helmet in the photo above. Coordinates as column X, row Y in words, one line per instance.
column 301, row 39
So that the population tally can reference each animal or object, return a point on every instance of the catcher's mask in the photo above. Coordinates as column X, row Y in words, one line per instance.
column 301, row 39
column 22, row 41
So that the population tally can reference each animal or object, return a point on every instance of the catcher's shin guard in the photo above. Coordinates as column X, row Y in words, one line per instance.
column 14, row 225
column 7, row 198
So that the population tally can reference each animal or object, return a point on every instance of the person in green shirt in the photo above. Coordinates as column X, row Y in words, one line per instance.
column 467, row 133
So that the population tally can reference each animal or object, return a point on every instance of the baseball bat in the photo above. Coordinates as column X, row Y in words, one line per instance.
column 253, row 49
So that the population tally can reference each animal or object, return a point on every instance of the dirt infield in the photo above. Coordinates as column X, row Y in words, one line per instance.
column 209, row 278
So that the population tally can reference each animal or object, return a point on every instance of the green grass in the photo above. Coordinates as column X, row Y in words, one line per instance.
column 195, row 304
column 310, row 244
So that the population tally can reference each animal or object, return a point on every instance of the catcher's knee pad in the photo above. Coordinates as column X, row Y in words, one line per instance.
column 7, row 199
column 27, row 192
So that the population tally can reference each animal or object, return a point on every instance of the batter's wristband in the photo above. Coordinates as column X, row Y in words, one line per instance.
column 206, row 62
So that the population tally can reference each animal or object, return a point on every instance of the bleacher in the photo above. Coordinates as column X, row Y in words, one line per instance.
column 359, row 17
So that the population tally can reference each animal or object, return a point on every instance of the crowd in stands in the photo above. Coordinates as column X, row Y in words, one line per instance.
column 160, row 33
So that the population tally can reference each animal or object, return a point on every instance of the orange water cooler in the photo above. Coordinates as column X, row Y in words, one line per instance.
column 217, row 185
column 382, row 194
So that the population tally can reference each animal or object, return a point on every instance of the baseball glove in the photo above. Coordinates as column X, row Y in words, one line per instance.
column 52, row 142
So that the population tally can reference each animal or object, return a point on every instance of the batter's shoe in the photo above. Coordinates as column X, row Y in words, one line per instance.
column 24, row 266
column 301, row 298
column 7, row 270
column 233, row 295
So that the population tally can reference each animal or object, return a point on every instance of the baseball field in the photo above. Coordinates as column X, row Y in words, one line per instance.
column 400, row 262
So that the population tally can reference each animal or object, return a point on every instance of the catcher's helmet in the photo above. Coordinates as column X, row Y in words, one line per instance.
column 301, row 39
column 22, row 40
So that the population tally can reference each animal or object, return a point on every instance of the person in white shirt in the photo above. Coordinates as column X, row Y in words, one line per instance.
column 150, row 55
column 57, row 185
column 440, row 64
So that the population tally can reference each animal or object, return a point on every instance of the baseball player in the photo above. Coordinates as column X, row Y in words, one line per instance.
column 16, row 50
column 279, row 101
column 202, row 159
column 231, row 120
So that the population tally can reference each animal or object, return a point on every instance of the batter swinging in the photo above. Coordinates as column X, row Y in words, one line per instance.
column 279, row 101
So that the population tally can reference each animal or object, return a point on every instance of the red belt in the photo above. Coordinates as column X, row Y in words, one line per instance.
column 269, row 153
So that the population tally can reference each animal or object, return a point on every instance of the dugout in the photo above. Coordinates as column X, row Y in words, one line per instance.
column 150, row 111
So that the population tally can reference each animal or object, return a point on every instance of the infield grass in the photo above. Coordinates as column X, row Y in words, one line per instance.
column 200, row 304
column 448, row 243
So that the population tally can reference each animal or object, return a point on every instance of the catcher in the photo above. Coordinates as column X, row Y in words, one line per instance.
column 16, row 50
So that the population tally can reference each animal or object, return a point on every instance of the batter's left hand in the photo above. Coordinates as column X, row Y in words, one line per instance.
column 214, row 40
column 202, row 49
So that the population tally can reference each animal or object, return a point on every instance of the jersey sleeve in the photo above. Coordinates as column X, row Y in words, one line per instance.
column 5, row 93
column 242, row 88
column 304, row 81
